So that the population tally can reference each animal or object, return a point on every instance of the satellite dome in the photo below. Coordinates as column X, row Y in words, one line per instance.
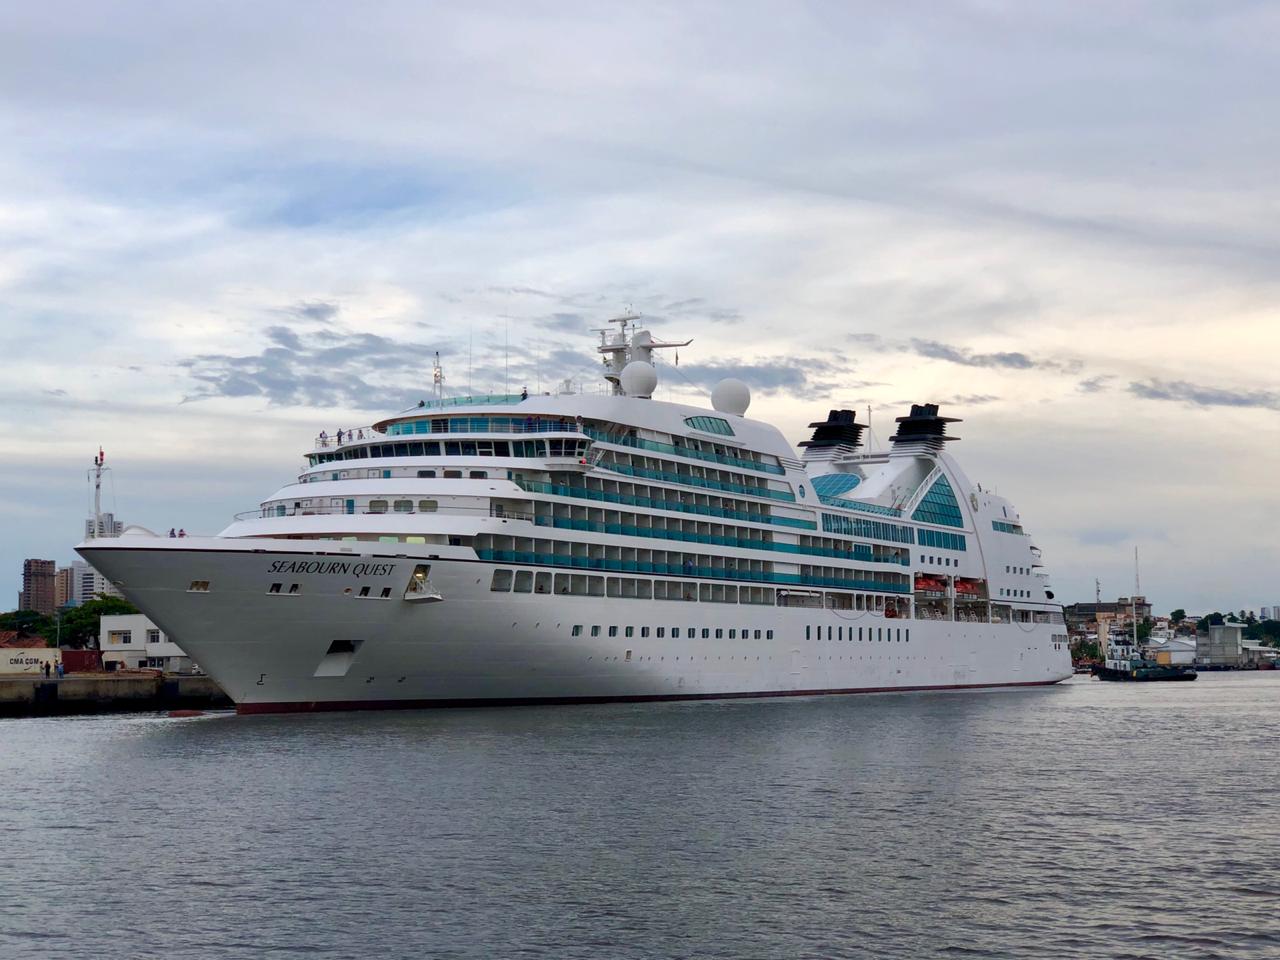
column 731, row 396
column 639, row 379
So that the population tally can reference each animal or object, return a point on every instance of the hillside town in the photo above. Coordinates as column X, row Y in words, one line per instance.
column 1236, row 640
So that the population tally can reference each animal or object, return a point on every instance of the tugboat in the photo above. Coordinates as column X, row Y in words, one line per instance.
column 1123, row 659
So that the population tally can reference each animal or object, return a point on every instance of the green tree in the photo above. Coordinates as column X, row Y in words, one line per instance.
column 81, row 625
column 1144, row 629
column 1082, row 649
column 28, row 623
column 1214, row 619
column 1178, row 615
column 1269, row 631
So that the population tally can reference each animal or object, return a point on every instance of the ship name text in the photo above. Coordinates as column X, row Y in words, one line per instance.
column 332, row 567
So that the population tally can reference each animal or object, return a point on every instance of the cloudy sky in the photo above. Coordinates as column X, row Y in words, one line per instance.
column 226, row 226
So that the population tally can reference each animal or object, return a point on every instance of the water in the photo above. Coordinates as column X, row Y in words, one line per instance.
column 1085, row 820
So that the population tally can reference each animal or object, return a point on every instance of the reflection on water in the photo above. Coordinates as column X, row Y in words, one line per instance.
column 1084, row 820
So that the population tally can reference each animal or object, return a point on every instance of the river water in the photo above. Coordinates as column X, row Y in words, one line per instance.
column 1085, row 820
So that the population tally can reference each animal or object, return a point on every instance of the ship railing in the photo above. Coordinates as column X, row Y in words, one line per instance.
column 278, row 511
column 327, row 441
column 484, row 424
column 422, row 428
column 475, row 400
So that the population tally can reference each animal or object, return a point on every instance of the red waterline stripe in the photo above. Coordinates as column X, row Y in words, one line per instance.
column 321, row 706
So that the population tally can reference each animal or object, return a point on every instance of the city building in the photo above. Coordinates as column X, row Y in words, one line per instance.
column 37, row 586
column 109, row 527
column 88, row 583
column 1172, row 650
column 1220, row 646
column 1083, row 617
column 131, row 641
column 1256, row 655
column 64, row 587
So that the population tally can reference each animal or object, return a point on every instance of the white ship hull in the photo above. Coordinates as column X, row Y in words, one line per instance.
column 272, row 651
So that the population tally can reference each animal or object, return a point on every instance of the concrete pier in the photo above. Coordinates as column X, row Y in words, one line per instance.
column 25, row 696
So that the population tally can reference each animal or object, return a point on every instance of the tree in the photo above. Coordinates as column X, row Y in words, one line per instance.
column 1144, row 629
column 81, row 625
column 1178, row 615
column 1082, row 649
column 28, row 623
column 1214, row 619
column 1270, row 632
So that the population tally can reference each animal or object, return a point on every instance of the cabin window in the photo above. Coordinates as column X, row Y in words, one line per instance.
column 274, row 588
column 403, row 506
column 426, row 474
column 453, row 474
column 595, row 631
column 613, row 631
column 428, row 506
column 377, row 506
column 577, row 630
column 501, row 581
column 479, row 474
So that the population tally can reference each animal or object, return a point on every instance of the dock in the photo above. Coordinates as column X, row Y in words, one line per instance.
column 89, row 693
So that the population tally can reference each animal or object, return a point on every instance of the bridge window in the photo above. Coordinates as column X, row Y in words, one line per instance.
column 710, row 425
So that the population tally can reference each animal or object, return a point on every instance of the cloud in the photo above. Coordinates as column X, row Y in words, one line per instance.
column 929, row 349
column 321, row 311
column 325, row 369
column 1095, row 384
column 563, row 322
column 970, row 400
column 933, row 350
column 1197, row 395
column 801, row 377
column 1103, row 536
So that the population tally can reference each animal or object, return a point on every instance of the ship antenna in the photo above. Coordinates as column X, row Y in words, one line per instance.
column 1136, row 587
column 98, row 462
column 437, row 377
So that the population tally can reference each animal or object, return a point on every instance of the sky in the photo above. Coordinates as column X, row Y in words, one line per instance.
column 227, row 226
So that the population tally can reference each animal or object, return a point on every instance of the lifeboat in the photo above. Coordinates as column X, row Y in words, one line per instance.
column 969, row 587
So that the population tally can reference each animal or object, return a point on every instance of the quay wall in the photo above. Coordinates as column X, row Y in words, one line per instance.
column 106, row 693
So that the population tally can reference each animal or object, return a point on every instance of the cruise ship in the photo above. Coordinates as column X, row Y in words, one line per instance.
column 568, row 547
